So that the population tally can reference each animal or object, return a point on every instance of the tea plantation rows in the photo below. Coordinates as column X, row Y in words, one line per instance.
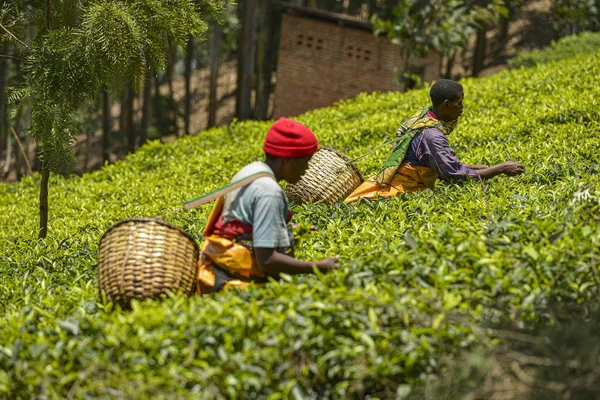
column 421, row 273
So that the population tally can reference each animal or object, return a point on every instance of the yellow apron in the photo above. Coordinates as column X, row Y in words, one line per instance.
column 224, row 263
column 407, row 179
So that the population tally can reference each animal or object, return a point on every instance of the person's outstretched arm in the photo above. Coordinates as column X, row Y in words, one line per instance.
column 510, row 168
column 273, row 263
column 443, row 160
column 476, row 166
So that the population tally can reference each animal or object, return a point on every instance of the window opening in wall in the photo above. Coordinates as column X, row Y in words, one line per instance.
column 358, row 53
column 309, row 41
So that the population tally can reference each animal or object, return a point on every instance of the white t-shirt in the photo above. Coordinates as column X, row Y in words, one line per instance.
column 262, row 204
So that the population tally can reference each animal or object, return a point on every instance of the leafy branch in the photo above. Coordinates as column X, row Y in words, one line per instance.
column 10, row 34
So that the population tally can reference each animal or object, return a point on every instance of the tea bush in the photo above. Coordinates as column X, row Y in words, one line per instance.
column 420, row 272
column 566, row 47
column 541, row 361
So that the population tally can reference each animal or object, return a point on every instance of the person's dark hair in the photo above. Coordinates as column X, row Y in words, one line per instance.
column 270, row 157
column 444, row 89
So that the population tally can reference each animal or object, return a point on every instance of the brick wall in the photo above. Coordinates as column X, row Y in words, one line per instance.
column 323, row 62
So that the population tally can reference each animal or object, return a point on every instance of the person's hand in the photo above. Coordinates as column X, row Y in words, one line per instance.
column 512, row 168
column 328, row 264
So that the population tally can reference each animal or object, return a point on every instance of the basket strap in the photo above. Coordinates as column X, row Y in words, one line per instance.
column 215, row 194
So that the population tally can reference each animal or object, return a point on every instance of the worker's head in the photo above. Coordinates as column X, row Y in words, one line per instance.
column 289, row 146
column 447, row 99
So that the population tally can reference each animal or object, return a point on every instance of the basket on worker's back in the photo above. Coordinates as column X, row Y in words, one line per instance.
column 145, row 258
column 330, row 178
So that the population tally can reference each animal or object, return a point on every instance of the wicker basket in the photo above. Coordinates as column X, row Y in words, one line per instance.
column 144, row 258
column 330, row 178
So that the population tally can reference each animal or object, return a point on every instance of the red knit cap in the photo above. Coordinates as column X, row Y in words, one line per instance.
column 290, row 139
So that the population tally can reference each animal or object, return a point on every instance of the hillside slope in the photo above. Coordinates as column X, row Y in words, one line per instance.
column 419, row 270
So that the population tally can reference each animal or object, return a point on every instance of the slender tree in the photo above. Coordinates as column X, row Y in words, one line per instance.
column 80, row 47
column 215, row 52
column 187, row 76
column 169, row 76
column 106, row 125
column 246, row 60
column 147, row 100
column 223, row 43
column 159, row 116
column 5, row 134
column 479, row 51
column 130, row 129
column 263, row 67
column 20, row 154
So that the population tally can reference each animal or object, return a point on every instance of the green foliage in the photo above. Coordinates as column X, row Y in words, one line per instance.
column 421, row 271
column 419, row 27
column 575, row 16
column 538, row 361
column 561, row 49
column 92, row 45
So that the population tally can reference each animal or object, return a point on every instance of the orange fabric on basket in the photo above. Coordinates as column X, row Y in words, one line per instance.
column 407, row 179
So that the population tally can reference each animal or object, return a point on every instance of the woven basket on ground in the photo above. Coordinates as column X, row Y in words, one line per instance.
column 144, row 258
column 330, row 178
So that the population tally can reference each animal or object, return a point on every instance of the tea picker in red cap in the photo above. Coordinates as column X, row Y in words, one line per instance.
column 247, row 237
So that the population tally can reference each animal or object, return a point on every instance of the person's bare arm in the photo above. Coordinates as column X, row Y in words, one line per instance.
column 273, row 263
column 510, row 168
column 476, row 166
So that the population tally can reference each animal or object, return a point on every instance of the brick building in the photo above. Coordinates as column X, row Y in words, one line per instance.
column 325, row 57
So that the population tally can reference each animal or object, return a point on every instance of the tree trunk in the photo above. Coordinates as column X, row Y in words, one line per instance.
column 146, row 105
column 503, row 29
column 246, row 59
column 354, row 7
column 372, row 4
column 29, row 142
column 159, row 119
column 123, row 116
column 479, row 54
column 450, row 64
column 45, row 169
column 189, row 53
column 131, row 137
column 215, row 52
column 44, row 201
column 8, row 156
column 407, row 58
column 263, row 70
column 89, row 136
column 106, row 130
column 274, row 36
column 4, row 131
column 172, row 107
column 20, row 158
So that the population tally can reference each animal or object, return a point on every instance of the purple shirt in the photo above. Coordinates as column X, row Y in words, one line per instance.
column 431, row 148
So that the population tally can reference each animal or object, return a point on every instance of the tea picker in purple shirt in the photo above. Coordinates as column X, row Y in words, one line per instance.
column 422, row 153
